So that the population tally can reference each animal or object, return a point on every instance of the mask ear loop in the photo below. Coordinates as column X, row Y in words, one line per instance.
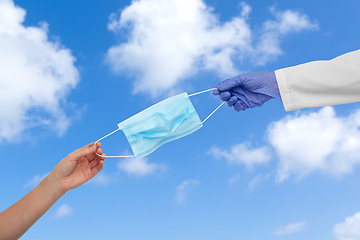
column 215, row 109
column 106, row 137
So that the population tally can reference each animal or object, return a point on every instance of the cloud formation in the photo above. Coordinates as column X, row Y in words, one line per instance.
column 169, row 41
column 183, row 190
column 242, row 153
column 303, row 143
column 291, row 228
column 286, row 22
column 140, row 167
column 63, row 211
column 257, row 180
column 35, row 78
column 234, row 179
column 348, row 230
column 318, row 141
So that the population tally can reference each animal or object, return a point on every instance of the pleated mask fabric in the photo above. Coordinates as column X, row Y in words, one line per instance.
column 165, row 121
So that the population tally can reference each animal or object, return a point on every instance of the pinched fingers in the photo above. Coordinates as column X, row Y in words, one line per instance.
column 96, row 161
column 97, row 165
column 231, row 101
column 238, row 106
column 227, row 84
column 96, row 150
column 225, row 96
column 85, row 151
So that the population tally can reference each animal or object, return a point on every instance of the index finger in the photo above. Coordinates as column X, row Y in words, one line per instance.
column 97, row 150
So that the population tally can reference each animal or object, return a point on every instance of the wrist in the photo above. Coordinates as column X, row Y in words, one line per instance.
column 53, row 185
column 275, row 87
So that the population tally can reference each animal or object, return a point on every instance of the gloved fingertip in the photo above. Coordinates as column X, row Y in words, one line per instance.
column 238, row 106
column 216, row 92
column 225, row 96
column 221, row 87
column 231, row 101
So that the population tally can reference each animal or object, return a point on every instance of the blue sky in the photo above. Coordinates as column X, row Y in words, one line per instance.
column 73, row 70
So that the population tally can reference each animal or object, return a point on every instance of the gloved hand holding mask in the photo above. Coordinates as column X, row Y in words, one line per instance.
column 248, row 90
column 176, row 117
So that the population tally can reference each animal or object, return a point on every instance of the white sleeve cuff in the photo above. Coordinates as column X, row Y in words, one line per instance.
column 285, row 91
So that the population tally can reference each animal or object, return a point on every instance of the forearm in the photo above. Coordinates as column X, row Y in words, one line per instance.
column 18, row 218
column 321, row 83
column 75, row 169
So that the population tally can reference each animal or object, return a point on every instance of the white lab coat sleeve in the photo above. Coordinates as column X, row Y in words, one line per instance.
column 321, row 83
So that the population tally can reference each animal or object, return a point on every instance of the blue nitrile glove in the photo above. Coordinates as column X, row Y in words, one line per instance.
column 248, row 90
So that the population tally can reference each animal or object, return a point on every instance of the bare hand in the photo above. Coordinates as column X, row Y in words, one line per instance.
column 78, row 167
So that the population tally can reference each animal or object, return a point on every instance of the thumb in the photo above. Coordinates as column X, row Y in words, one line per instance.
column 228, row 84
column 84, row 151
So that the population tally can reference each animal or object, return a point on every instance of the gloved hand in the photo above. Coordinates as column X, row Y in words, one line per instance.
column 248, row 90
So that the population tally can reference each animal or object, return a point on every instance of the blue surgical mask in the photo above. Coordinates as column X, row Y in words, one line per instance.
column 163, row 122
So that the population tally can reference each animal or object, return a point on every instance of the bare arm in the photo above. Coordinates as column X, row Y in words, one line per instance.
column 75, row 169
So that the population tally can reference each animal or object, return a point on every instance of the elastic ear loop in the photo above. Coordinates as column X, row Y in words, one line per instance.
column 135, row 155
column 211, row 89
column 106, row 137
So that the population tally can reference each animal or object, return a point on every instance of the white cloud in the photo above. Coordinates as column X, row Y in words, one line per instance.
column 304, row 142
column 183, row 190
column 242, row 153
column 170, row 40
column 348, row 230
column 35, row 181
column 318, row 141
column 35, row 78
column 140, row 167
column 63, row 211
column 285, row 23
column 257, row 180
column 234, row 179
column 291, row 228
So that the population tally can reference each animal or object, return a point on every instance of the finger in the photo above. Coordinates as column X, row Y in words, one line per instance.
column 103, row 156
column 97, row 144
column 227, row 84
column 99, row 151
column 95, row 162
column 231, row 101
column 216, row 92
column 238, row 106
column 242, row 96
column 84, row 151
column 225, row 96
column 99, row 154
column 90, row 144
column 95, row 170
column 94, row 155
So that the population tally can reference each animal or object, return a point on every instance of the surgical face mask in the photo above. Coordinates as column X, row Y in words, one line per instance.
column 165, row 121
